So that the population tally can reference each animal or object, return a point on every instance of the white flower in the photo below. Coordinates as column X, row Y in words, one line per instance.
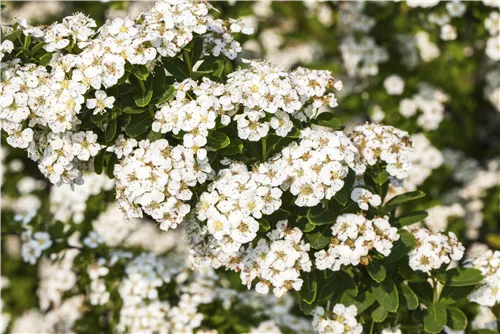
column 456, row 8
column 364, row 197
column 394, row 85
column 101, row 102
column 93, row 240
column 493, row 48
column 448, row 32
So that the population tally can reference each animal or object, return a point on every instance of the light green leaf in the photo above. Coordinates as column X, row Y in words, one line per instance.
column 218, row 140
column 376, row 271
column 456, row 320
column 460, row 277
column 386, row 295
column 435, row 318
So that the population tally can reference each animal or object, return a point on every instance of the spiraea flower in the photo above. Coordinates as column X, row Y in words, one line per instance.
column 354, row 240
column 488, row 291
column 434, row 249
column 341, row 319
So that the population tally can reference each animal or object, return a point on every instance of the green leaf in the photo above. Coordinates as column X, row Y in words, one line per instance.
column 362, row 301
column 141, row 72
column 379, row 314
column 319, row 216
column 98, row 118
column 131, row 111
column 197, row 50
column 220, row 68
column 342, row 196
column 37, row 48
column 435, row 318
column 142, row 100
column 381, row 177
column 317, row 240
column 99, row 162
column 167, row 95
column 406, row 197
column 401, row 247
column 407, row 298
column 456, row 319
column 424, row 291
column 386, row 295
column 460, row 277
column 12, row 36
column 138, row 125
column 308, row 309
column 453, row 294
column 264, row 225
column 177, row 68
column 111, row 166
column 218, row 140
column 45, row 59
column 56, row 230
column 310, row 287
column 235, row 147
column 109, row 135
column 376, row 271
column 412, row 218
column 327, row 119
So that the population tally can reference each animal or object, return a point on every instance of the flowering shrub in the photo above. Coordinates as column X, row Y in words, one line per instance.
column 192, row 190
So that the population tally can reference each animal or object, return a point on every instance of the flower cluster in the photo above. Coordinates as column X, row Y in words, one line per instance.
column 193, row 115
column 353, row 238
column 383, row 144
column 277, row 261
column 492, row 24
column 33, row 243
column 156, row 179
column 488, row 293
column 362, row 58
column 429, row 101
column 40, row 107
column 270, row 96
column 437, row 220
column 340, row 319
column 433, row 249
column 492, row 88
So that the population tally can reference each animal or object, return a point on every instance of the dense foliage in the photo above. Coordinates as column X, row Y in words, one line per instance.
column 157, row 176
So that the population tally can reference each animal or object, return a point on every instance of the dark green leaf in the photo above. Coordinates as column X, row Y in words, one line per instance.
column 319, row 216
column 109, row 135
column 435, row 318
column 460, row 277
column 218, row 140
column 142, row 99
column 386, row 295
column 99, row 162
column 45, row 59
column 327, row 119
column 197, row 50
column 138, row 125
column 177, row 68
column 167, row 95
column 453, row 294
column 456, row 320
column 401, row 247
column 310, row 287
column 235, row 147
column 317, row 240
column 376, row 271
column 412, row 218
column 406, row 197
column 407, row 298
column 141, row 72
column 111, row 165
column 131, row 111
column 37, row 48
